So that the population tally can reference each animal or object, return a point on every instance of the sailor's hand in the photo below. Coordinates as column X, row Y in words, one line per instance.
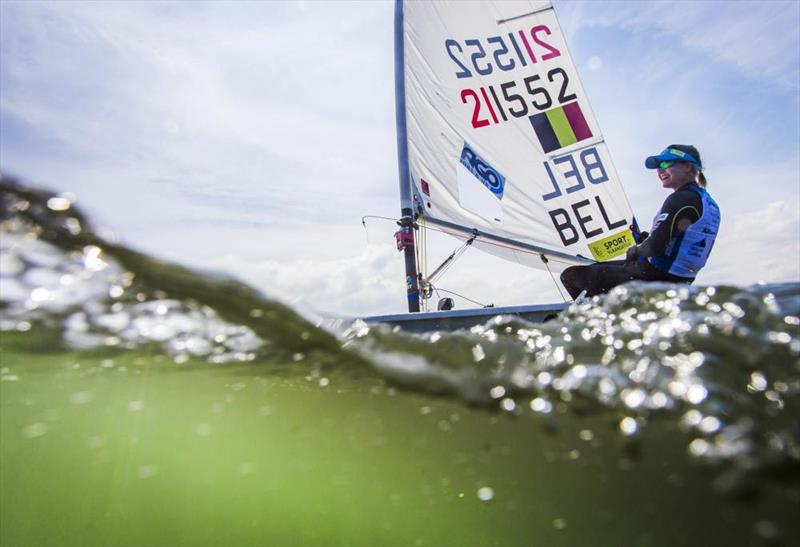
column 632, row 255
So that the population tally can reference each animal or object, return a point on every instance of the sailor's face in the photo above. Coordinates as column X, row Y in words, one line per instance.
column 676, row 175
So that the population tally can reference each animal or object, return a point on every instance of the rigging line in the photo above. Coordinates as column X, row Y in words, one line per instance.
column 445, row 265
column 364, row 222
column 365, row 217
column 456, row 255
column 464, row 297
column 553, row 277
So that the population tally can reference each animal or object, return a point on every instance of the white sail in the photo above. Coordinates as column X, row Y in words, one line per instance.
column 501, row 138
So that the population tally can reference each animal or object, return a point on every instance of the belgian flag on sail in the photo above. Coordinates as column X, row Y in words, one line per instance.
column 560, row 127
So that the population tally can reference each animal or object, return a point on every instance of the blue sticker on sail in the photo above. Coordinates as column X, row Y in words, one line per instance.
column 480, row 168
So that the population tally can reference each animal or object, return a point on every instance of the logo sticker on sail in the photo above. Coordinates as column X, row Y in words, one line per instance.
column 612, row 246
column 483, row 171
column 560, row 127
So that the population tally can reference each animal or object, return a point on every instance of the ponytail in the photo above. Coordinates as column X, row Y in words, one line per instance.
column 701, row 179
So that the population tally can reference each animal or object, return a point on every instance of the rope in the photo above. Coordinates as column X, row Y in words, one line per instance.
column 464, row 297
column 553, row 277
column 421, row 253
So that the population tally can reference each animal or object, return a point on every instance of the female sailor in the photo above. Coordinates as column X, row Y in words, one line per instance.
column 678, row 243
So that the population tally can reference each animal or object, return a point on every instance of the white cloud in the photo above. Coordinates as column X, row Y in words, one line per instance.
column 762, row 245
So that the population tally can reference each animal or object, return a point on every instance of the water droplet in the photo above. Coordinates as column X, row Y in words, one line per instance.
column 298, row 357
column 477, row 353
column 699, row 448
column 147, row 471
column 246, row 468
column 34, row 430
column 710, row 424
column 697, row 393
column 586, row 435
column 633, row 398
column 508, row 404
column 628, row 426
column 80, row 397
column 94, row 442
column 574, row 454
column 560, row 523
column 58, row 204
column 204, row 430
column 425, row 410
column 323, row 382
column 758, row 382
column 135, row 406
column 541, row 405
column 767, row 530
column 265, row 410
column 485, row 493
column 497, row 391
column 544, row 378
column 779, row 337
column 692, row 418
column 659, row 400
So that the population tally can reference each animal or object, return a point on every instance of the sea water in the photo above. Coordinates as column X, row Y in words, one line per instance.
column 142, row 403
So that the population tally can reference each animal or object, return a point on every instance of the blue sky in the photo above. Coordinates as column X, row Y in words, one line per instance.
column 252, row 137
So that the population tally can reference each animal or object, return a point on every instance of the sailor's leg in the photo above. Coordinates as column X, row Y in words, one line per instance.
column 595, row 279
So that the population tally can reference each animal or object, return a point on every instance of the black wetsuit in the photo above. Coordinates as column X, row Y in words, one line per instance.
column 682, row 208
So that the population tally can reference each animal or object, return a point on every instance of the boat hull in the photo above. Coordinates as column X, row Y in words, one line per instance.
column 464, row 319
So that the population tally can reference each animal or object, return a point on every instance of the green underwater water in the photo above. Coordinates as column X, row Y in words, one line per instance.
column 142, row 403
column 134, row 449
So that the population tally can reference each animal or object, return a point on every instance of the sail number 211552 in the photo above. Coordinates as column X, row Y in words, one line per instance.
column 520, row 48
column 516, row 103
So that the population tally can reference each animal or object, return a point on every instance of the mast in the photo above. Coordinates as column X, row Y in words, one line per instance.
column 405, row 237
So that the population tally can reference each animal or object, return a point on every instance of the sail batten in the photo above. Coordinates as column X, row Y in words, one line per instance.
column 501, row 139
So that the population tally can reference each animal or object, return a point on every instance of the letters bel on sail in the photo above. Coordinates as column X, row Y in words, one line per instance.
column 501, row 137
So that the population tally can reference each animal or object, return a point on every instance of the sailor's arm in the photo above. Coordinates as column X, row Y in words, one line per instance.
column 680, row 210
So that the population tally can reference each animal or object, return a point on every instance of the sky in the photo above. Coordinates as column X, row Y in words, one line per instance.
column 251, row 137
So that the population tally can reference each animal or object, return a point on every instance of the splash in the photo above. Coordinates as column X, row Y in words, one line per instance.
column 721, row 362
column 57, row 275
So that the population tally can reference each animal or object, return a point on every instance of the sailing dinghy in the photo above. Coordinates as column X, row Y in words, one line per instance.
column 498, row 147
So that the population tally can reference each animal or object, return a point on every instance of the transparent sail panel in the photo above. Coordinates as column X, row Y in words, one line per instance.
column 501, row 136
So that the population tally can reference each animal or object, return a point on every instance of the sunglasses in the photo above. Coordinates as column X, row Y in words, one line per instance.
column 666, row 164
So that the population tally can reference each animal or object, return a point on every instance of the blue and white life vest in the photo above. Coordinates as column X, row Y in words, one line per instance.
column 693, row 245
